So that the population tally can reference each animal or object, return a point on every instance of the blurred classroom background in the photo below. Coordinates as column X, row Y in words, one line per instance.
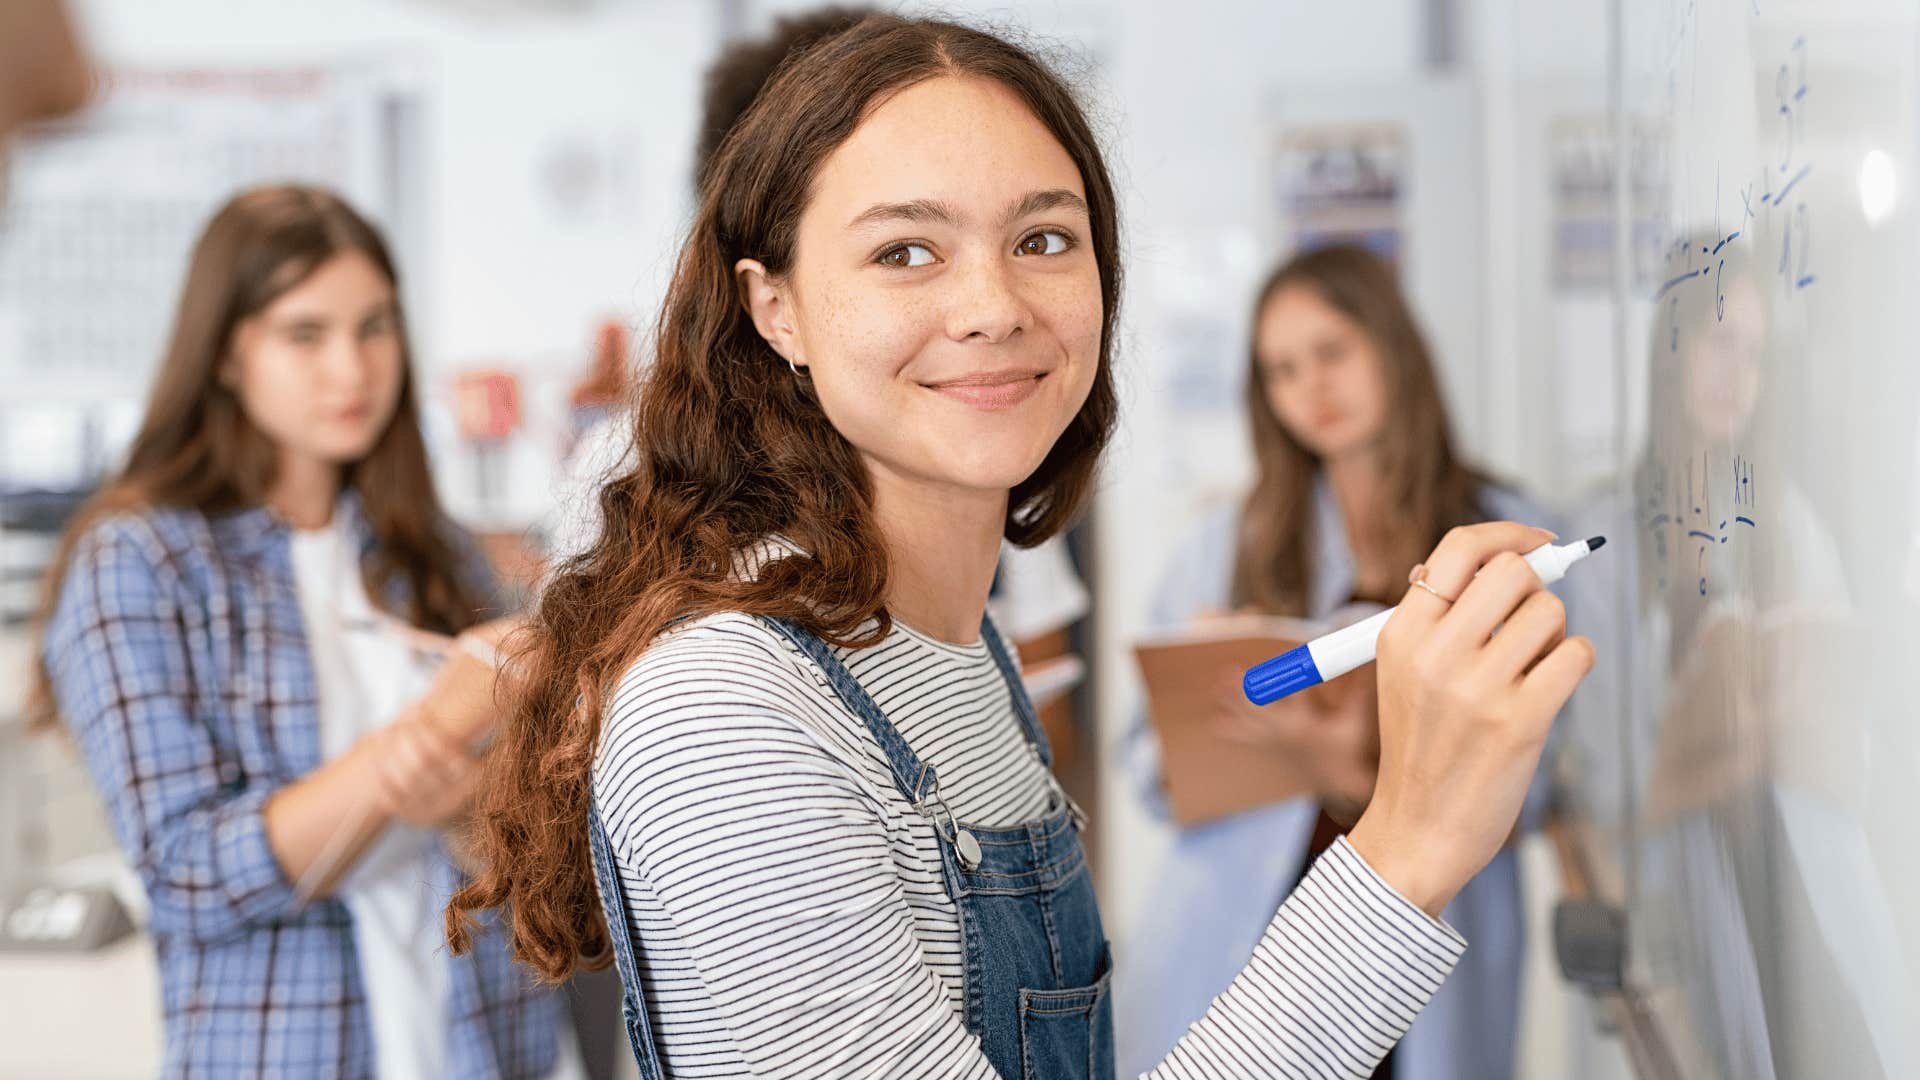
column 532, row 161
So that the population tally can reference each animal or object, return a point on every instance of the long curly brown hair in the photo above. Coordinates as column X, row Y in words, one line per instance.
column 729, row 447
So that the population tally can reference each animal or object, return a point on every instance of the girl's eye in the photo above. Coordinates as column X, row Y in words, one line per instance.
column 1043, row 243
column 906, row 255
column 305, row 336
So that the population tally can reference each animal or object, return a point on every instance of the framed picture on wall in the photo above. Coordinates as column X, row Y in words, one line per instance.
column 1343, row 184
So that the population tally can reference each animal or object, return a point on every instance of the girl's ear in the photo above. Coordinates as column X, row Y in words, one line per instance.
column 771, row 309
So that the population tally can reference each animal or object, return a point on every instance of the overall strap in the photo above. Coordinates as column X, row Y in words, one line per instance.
column 633, row 1002
column 1022, row 703
column 915, row 779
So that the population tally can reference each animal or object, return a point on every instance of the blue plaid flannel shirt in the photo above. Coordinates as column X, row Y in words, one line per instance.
column 179, row 659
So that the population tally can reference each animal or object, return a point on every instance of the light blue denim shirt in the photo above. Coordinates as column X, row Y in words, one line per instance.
column 1222, row 880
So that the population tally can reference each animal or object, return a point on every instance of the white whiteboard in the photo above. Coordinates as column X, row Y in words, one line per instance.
column 1752, row 760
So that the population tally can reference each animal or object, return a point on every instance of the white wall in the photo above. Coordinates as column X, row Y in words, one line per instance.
column 508, row 100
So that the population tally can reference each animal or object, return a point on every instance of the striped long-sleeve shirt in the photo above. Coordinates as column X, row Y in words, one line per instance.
column 789, row 900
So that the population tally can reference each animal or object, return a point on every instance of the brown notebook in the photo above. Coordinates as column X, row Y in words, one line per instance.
column 1187, row 673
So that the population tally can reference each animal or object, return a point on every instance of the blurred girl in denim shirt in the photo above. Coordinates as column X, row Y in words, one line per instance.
column 1357, row 478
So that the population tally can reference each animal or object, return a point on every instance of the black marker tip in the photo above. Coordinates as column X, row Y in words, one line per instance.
column 1595, row 543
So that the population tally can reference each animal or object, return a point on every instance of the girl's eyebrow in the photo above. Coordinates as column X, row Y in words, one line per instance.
column 300, row 320
column 934, row 211
column 917, row 211
column 1038, row 202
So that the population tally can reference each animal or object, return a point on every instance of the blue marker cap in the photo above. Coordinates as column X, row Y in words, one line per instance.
column 1288, row 673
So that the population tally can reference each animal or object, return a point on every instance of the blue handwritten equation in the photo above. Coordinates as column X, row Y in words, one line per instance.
column 1772, row 202
column 1689, row 511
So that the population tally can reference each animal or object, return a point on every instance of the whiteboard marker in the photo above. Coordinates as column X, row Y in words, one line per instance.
column 1333, row 655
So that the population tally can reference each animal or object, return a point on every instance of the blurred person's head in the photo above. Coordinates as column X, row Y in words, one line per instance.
column 42, row 72
column 735, row 77
column 288, row 361
column 314, row 369
column 1707, row 387
column 1723, row 368
column 288, row 356
column 900, row 284
column 1340, row 376
column 1721, row 339
column 1707, row 381
column 733, row 80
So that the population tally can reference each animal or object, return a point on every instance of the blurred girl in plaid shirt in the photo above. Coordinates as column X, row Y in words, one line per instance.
column 234, row 637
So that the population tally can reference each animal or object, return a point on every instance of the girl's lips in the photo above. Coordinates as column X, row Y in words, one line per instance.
column 991, row 392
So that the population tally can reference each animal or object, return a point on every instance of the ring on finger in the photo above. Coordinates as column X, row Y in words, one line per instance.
column 1418, row 579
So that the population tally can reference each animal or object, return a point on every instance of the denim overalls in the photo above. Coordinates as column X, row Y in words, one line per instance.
column 1036, row 957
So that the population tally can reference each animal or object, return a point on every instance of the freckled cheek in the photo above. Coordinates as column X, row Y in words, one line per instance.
column 1073, row 311
column 869, row 336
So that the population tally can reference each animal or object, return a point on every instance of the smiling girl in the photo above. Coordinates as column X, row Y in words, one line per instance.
column 768, row 709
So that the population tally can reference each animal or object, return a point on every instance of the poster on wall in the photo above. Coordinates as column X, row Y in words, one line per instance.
column 109, row 205
column 1581, row 173
column 1580, row 157
column 1343, row 183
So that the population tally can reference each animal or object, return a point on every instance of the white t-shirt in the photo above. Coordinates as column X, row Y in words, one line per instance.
column 365, row 674
column 363, row 680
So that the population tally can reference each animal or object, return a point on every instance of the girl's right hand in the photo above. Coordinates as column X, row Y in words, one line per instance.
column 1464, row 711
column 423, row 776
column 465, row 701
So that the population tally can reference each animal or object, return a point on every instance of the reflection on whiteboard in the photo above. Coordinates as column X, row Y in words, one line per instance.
column 1768, row 687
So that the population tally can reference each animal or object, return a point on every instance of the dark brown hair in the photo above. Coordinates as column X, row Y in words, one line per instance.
column 197, row 449
column 735, row 77
column 1427, row 489
column 731, row 448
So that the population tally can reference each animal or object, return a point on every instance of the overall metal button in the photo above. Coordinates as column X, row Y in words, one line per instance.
column 968, row 848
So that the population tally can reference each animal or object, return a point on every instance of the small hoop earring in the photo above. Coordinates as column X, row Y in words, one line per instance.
column 798, row 372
